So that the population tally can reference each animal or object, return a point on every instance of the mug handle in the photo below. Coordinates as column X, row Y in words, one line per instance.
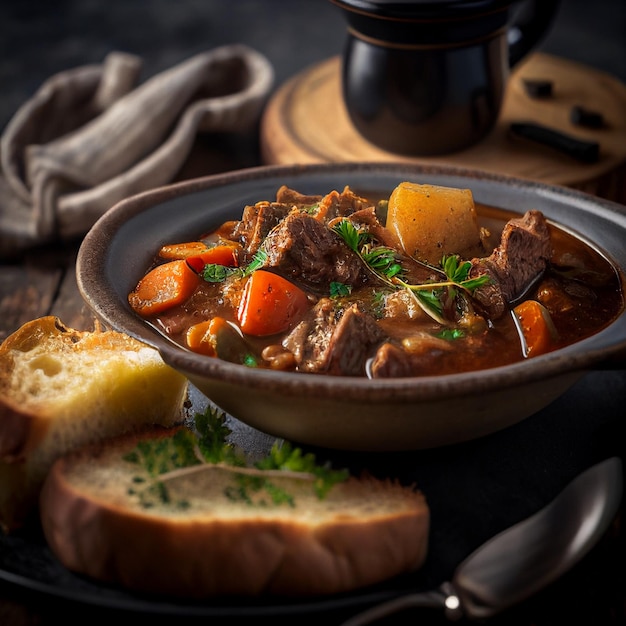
column 532, row 22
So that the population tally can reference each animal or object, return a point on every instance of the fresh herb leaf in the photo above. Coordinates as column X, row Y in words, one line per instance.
column 438, row 297
column 382, row 260
column 312, row 209
column 379, row 259
column 450, row 334
column 214, row 273
column 353, row 237
column 429, row 301
column 208, row 444
column 378, row 304
column 249, row 360
column 435, row 298
column 278, row 495
column 213, row 434
column 458, row 274
column 286, row 457
column 471, row 284
column 338, row 290
column 258, row 261
column 159, row 456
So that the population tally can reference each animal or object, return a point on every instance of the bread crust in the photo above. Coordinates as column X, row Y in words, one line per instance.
column 199, row 555
column 23, row 425
column 61, row 388
column 20, row 431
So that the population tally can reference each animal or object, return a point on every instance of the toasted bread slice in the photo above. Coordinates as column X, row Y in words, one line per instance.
column 221, row 530
column 61, row 388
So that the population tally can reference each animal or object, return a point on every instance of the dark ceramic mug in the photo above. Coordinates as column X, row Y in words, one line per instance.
column 427, row 77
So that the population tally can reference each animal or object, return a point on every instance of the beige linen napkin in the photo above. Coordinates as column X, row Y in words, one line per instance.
column 90, row 137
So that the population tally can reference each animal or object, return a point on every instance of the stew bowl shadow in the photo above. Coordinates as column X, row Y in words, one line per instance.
column 349, row 413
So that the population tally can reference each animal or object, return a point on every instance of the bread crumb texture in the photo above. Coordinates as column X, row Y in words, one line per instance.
column 227, row 493
column 63, row 369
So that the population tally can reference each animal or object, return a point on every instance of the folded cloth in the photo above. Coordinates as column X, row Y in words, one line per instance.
column 90, row 137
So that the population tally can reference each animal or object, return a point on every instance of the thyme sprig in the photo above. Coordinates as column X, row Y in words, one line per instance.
column 206, row 447
column 381, row 260
column 433, row 297
column 287, row 458
column 457, row 276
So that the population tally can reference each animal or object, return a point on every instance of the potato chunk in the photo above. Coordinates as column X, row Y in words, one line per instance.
column 430, row 221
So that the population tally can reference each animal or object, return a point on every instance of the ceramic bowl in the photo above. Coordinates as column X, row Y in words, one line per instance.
column 348, row 412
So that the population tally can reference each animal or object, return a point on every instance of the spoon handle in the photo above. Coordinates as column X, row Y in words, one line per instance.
column 442, row 598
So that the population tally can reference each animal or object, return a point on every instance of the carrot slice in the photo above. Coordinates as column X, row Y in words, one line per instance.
column 270, row 304
column 218, row 338
column 163, row 287
column 184, row 250
column 537, row 327
column 220, row 255
column 201, row 337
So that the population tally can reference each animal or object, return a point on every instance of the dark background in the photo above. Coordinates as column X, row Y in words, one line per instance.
column 41, row 37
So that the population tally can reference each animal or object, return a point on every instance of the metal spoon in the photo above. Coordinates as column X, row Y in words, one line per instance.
column 525, row 558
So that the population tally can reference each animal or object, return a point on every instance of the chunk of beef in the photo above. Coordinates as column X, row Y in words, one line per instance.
column 391, row 361
column 257, row 221
column 519, row 260
column 303, row 249
column 414, row 356
column 330, row 206
column 335, row 204
column 367, row 217
column 286, row 195
column 331, row 340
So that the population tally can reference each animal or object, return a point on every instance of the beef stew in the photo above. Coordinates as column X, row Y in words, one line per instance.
column 341, row 284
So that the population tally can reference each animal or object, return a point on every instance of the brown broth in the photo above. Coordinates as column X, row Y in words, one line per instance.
column 591, row 306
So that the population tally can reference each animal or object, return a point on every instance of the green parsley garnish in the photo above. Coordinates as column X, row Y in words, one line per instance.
column 215, row 273
column 258, row 261
column 450, row 334
column 382, row 260
column 338, row 290
column 311, row 209
column 207, row 446
column 250, row 360
column 286, row 457
column 354, row 237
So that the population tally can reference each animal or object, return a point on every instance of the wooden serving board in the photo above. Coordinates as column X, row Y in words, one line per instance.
column 306, row 122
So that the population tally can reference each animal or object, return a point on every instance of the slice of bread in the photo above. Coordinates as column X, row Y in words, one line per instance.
column 217, row 529
column 61, row 388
